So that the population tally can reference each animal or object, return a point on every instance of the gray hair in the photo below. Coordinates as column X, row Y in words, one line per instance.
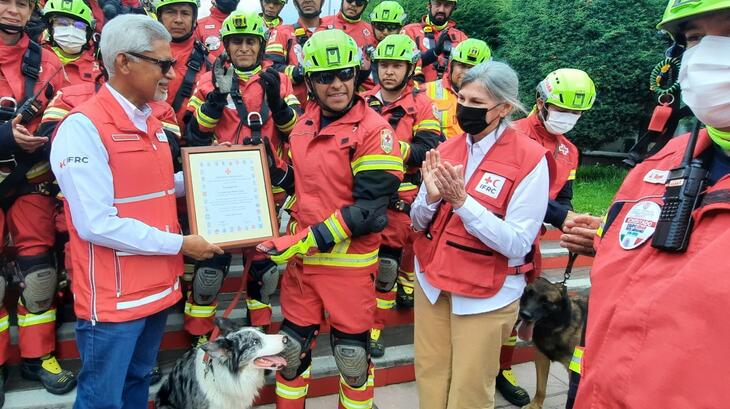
column 499, row 80
column 129, row 33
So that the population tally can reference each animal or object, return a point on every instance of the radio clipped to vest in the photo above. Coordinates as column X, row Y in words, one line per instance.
column 684, row 188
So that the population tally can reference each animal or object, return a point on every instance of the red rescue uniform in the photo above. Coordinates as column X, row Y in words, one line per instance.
column 84, row 68
column 208, row 32
column 655, row 312
column 182, row 52
column 418, row 131
column 30, row 218
column 425, row 35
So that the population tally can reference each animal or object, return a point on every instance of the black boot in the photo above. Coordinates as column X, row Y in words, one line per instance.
column 377, row 347
column 48, row 371
column 510, row 390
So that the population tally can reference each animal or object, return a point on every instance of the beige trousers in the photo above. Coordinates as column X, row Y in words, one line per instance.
column 457, row 356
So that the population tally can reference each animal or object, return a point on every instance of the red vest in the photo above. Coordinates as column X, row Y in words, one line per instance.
column 658, row 313
column 480, row 271
column 425, row 35
column 566, row 155
column 110, row 285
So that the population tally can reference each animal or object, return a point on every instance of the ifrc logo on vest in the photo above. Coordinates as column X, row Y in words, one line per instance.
column 490, row 184
column 639, row 224
column 386, row 140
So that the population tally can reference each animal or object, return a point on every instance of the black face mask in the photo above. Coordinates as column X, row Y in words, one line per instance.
column 472, row 120
column 226, row 6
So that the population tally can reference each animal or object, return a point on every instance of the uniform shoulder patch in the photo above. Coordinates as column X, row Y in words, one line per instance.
column 386, row 140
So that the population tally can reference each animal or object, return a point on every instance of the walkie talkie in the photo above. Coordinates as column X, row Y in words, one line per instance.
column 684, row 187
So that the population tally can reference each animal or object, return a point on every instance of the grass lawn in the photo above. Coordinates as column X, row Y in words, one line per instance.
column 595, row 186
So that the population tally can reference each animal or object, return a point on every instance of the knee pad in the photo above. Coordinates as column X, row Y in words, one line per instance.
column 300, row 342
column 387, row 274
column 40, row 279
column 352, row 356
column 266, row 275
column 209, row 275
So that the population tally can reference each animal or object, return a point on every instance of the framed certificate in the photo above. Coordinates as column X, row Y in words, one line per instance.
column 228, row 192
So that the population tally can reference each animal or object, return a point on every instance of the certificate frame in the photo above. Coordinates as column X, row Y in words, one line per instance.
column 204, row 166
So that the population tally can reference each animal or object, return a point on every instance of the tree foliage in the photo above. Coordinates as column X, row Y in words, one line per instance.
column 614, row 41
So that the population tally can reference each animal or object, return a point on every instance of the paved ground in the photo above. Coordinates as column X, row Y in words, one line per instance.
column 405, row 396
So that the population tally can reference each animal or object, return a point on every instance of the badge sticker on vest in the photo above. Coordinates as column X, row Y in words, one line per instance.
column 161, row 136
column 124, row 137
column 639, row 224
column 209, row 26
column 490, row 185
column 563, row 149
column 213, row 43
column 656, row 176
column 386, row 140
column 366, row 32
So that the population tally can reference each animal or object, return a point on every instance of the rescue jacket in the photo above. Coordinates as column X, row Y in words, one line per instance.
column 25, row 69
column 192, row 57
column 273, row 23
column 444, row 101
column 110, row 285
column 284, row 53
column 328, row 163
column 566, row 155
column 425, row 35
column 656, row 312
column 208, row 32
column 84, row 68
column 480, row 271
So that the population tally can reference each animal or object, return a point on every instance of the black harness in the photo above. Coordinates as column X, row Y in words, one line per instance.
column 253, row 120
column 198, row 59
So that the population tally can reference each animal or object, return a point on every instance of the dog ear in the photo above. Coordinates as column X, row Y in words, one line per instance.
column 218, row 349
column 226, row 325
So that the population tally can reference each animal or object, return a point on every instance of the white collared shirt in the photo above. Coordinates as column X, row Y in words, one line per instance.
column 511, row 237
column 89, row 189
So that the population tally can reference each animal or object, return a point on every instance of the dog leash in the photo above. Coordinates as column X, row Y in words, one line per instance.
column 569, row 267
column 248, row 253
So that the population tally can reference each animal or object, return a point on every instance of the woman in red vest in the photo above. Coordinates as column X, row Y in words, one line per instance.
column 482, row 202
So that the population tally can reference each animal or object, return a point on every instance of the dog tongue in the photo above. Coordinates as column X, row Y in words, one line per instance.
column 270, row 362
column 525, row 331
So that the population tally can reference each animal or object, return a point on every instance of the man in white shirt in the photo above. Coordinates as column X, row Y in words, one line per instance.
column 114, row 167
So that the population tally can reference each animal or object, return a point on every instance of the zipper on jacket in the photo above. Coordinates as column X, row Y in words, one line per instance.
column 117, row 274
column 92, row 284
column 469, row 249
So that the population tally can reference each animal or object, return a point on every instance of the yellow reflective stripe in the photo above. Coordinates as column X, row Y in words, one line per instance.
column 405, row 282
column 576, row 360
column 405, row 150
column 205, row 120
column 385, row 304
column 254, row 305
column 38, row 169
column 406, row 186
column 287, row 127
column 291, row 99
column 342, row 259
column 428, row 125
column 195, row 102
column 377, row 162
column 341, row 247
column 199, row 311
column 171, row 127
column 54, row 113
column 369, row 384
column 36, row 319
column 334, row 226
column 511, row 341
column 289, row 202
column 277, row 189
column 294, row 392
column 348, row 403
column 571, row 176
column 4, row 323
column 275, row 48
column 599, row 231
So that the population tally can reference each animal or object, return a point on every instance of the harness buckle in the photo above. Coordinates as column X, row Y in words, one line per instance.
column 255, row 123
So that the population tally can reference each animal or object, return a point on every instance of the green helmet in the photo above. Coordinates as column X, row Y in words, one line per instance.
column 398, row 47
column 388, row 12
column 568, row 88
column 330, row 50
column 162, row 3
column 471, row 52
column 76, row 9
column 244, row 23
column 679, row 11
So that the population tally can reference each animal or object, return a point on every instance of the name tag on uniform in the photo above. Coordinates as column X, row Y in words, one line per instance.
column 209, row 26
column 656, row 176
column 123, row 137
column 490, row 184
column 161, row 136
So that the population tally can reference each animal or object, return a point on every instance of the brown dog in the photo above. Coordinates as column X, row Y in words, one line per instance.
column 554, row 322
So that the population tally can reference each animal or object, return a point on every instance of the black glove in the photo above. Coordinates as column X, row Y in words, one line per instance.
column 222, row 75
column 441, row 42
column 271, row 83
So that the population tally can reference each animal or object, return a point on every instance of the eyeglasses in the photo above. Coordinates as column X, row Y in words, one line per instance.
column 387, row 26
column 164, row 65
column 358, row 3
column 328, row 77
column 67, row 22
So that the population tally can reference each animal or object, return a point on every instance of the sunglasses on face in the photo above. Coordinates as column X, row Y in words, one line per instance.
column 328, row 77
column 387, row 26
column 67, row 22
column 358, row 3
column 164, row 65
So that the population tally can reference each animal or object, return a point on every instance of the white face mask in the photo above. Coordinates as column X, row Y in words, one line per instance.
column 705, row 80
column 69, row 38
column 558, row 123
